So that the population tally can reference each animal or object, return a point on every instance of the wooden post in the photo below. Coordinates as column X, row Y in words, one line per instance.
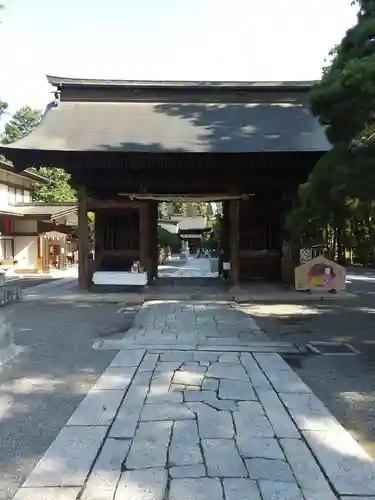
column 83, row 240
column 154, row 238
column 144, row 237
column 234, row 208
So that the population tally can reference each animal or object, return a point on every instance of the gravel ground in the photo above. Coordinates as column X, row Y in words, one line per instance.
column 346, row 384
column 40, row 389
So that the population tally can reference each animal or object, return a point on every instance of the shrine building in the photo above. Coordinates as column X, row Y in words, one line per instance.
column 130, row 144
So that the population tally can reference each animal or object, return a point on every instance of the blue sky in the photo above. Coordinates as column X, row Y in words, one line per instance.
column 164, row 40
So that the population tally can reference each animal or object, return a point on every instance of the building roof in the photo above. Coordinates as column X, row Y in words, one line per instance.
column 202, row 117
column 50, row 211
column 33, row 176
column 63, row 82
column 189, row 223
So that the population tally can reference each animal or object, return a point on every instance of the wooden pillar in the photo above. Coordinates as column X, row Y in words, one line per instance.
column 234, row 209
column 144, row 237
column 83, row 240
column 154, row 238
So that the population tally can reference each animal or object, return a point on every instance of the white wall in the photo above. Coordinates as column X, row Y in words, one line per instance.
column 26, row 247
column 3, row 196
column 26, row 252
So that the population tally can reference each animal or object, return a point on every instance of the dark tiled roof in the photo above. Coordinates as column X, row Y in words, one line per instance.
column 62, row 81
column 272, row 118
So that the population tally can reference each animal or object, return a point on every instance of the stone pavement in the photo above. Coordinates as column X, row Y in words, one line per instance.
column 187, row 424
column 191, row 268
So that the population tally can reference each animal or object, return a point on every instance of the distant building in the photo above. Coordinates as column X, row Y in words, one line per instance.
column 191, row 230
column 34, row 237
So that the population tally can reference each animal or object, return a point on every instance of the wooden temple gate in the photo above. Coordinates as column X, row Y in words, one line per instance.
column 127, row 143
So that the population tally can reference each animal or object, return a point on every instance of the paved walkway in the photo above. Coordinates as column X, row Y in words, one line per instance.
column 191, row 268
column 176, row 423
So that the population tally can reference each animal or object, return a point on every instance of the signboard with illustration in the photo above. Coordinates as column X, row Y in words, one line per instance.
column 320, row 274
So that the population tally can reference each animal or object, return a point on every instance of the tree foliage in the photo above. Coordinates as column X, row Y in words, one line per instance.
column 189, row 208
column 337, row 203
column 59, row 190
column 344, row 98
column 22, row 123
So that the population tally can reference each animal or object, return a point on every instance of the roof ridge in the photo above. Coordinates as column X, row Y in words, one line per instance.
column 58, row 81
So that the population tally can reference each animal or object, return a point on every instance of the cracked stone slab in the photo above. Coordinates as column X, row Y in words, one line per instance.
column 149, row 484
column 97, row 408
column 241, row 489
column 74, row 450
column 260, row 448
column 180, row 356
column 164, row 394
column 249, row 362
column 188, row 377
column 150, row 445
column 115, row 378
column 167, row 366
column 348, row 467
column 206, row 356
column 191, row 365
column 305, row 469
column 128, row 358
column 237, row 390
column 222, row 458
column 126, row 420
column 271, row 362
column 184, row 448
column 233, row 371
column 210, row 399
column 186, row 471
column 149, row 362
column 229, row 357
column 280, row 420
column 309, row 413
column 251, row 422
column 274, row 470
column 195, row 489
column 210, row 384
column 212, row 424
column 46, row 494
column 103, row 479
column 287, row 381
column 159, row 388
column 276, row 490
column 177, row 388
column 165, row 411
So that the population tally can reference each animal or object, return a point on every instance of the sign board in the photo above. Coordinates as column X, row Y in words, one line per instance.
column 226, row 266
column 320, row 274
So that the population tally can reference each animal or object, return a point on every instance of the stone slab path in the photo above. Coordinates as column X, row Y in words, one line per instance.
column 191, row 268
column 189, row 424
column 208, row 326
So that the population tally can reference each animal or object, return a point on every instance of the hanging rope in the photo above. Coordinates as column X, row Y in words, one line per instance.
column 185, row 197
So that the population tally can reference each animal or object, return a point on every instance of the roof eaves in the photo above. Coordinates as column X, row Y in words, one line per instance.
column 86, row 82
column 11, row 213
column 7, row 165
column 69, row 211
